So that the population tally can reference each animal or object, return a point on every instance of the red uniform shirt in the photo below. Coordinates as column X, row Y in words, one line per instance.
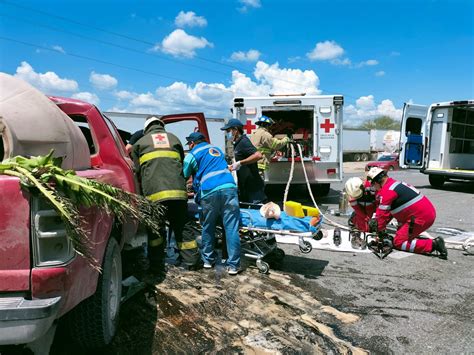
column 364, row 207
column 402, row 201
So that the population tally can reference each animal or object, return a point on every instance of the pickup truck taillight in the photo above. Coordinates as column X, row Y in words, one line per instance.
column 51, row 246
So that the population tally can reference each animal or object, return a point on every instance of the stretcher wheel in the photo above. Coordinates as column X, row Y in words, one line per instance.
column 318, row 236
column 263, row 267
column 279, row 254
column 306, row 247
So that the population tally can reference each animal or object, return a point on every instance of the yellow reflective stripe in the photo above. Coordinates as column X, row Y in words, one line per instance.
column 264, row 150
column 159, row 154
column 188, row 245
column 167, row 194
column 155, row 242
column 262, row 166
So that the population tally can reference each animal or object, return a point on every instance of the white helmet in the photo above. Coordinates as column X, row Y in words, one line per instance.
column 354, row 187
column 375, row 174
column 152, row 119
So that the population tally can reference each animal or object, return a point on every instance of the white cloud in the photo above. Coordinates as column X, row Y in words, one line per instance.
column 380, row 73
column 344, row 62
column 59, row 49
column 394, row 54
column 215, row 99
column 246, row 4
column 365, row 108
column 87, row 97
column 124, row 95
column 368, row 63
column 189, row 19
column 102, row 81
column 179, row 44
column 251, row 55
column 326, row 50
column 48, row 82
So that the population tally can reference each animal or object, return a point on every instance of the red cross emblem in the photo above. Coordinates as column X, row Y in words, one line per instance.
column 160, row 137
column 249, row 126
column 327, row 125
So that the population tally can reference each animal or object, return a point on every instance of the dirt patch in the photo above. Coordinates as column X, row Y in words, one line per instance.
column 209, row 311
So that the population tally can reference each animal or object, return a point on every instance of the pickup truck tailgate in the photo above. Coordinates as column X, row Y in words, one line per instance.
column 15, row 259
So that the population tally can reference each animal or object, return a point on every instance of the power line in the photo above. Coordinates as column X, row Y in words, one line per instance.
column 112, row 44
column 146, row 42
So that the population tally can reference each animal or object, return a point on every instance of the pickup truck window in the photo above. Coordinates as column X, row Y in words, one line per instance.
column 83, row 125
column 182, row 129
column 113, row 130
column 2, row 150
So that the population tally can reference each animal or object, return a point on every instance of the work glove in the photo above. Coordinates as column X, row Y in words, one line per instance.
column 235, row 166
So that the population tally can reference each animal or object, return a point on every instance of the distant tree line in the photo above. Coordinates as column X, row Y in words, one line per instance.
column 382, row 122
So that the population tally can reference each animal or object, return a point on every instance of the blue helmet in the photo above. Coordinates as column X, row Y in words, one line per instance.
column 264, row 120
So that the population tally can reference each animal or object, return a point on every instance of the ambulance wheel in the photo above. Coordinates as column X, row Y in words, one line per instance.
column 306, row 247
column 436, row 180
column 279, row 254
column 263, row 267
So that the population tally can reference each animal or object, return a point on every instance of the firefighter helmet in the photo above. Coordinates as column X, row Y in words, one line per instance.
column 152, row 119
column 264, row 120
column 354, row 187
column 375, row 174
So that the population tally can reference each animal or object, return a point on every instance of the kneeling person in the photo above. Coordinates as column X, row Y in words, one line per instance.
column 362, row 200
column 413, row 211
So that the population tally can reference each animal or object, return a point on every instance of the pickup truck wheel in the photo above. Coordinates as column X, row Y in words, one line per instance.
column 436, row 180
column 93, row 323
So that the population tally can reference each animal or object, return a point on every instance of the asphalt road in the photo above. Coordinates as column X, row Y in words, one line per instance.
column 416, row 304
column 321, row 302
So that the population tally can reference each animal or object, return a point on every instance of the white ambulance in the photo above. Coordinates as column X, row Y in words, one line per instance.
column 315, row 122
column 439, row 140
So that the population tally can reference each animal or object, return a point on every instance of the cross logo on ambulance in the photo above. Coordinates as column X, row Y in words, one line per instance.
column 327, row 125
column 249, row 127
column 160, row 140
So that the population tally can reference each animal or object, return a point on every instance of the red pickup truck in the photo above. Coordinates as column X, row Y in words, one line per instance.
column 41, row 277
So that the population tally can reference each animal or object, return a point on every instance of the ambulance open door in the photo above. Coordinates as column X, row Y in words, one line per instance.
column 412, row 136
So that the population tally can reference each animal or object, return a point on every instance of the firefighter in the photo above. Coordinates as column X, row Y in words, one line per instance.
column 265, row 143
column 158, row 158
column 251, row 186
column 362, row 199
column 413, row 211
column 216, row 193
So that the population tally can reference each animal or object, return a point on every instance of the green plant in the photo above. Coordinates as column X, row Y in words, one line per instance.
column 67, row 191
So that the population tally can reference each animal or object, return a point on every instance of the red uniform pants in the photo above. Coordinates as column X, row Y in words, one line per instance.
column 404, row 241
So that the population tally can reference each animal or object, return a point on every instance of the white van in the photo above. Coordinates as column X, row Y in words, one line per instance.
column 439, row 140
column 313, row 121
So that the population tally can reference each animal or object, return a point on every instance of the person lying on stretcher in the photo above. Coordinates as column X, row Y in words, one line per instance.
column 280, row 221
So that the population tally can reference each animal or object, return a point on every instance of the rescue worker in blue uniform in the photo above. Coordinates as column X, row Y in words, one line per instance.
column 216, row 193
column 158, row 158
column 251, row 185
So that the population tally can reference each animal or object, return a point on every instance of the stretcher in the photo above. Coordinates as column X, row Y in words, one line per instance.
column 258, row 235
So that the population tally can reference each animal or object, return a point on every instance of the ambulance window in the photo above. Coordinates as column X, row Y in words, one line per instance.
column 413, row 125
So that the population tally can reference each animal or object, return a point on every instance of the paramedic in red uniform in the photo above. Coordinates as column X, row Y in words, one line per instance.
column 362, row 200
column 413, row 211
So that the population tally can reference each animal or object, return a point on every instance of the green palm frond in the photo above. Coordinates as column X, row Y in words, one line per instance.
column 67, row 191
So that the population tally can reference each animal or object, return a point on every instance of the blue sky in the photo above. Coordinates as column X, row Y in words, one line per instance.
column 183, row 56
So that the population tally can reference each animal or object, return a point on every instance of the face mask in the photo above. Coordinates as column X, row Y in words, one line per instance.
column 229, row 135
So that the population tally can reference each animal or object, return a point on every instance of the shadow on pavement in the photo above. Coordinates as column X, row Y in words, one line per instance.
column 455, row 186
column 306, row 267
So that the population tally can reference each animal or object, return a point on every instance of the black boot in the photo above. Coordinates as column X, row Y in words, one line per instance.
column 438, row 245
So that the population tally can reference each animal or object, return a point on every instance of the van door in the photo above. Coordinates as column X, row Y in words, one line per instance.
column 412, row 133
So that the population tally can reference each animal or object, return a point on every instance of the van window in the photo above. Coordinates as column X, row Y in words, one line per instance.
column 462, row 131
column 413, row 125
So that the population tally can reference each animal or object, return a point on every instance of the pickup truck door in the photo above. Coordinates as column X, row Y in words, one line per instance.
column 197, row 117
column 412, row 136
